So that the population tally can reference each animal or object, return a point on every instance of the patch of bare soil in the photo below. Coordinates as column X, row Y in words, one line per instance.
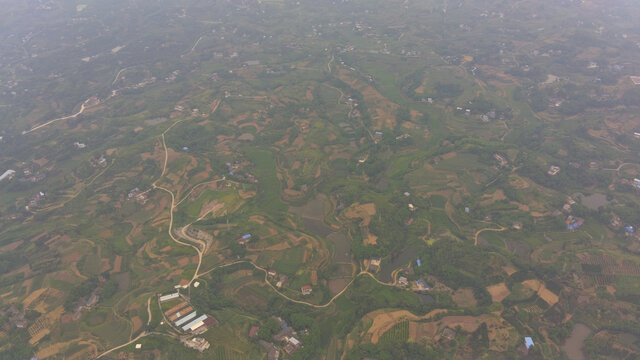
column 117, row 264
column 362, row 211
column 498, row 292
column 337, row 285
column 489, row 199
column 463, row 297
column 384, row 321
column 538, row 286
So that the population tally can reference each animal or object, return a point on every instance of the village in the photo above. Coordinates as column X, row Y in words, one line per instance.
column 188, row 325
column 184, row 320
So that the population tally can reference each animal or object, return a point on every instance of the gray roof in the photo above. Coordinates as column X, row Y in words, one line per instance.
column 185, row 319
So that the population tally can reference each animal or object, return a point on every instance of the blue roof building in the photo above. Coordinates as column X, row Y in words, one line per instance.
column 422, row 285
column 528, row 342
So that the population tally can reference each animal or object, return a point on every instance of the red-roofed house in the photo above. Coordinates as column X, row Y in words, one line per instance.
column 306, row 289
column 253, row 332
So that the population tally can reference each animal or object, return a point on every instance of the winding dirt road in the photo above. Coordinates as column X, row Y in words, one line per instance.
column 82, row 108
column 142, row 334
column 328, row 303
column 475, row 240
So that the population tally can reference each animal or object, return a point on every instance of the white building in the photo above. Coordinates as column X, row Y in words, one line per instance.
column 169, row 297
column 7, row 174
column 195, row 323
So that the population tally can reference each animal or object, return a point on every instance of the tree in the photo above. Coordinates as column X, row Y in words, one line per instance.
column 267, row 329
column 109, row 289
column 237, row 249
column 480, row 339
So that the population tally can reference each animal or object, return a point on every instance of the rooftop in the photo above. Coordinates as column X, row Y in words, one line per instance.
column 528, row 342
column 253, row 331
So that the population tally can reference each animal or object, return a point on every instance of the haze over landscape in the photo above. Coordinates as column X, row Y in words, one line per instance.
column 315, row 179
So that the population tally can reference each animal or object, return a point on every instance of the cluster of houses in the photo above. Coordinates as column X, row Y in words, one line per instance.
column 488, row 116
column 9, row 174
column 573, row 222
column 634, row 235
column 15, row 316
column 501, row 159
column 244, row 239
column 90, row 301
column 184, row 317
column 616, row 223
column 35, row 200
column 245, row 176
column 172, row 77
column 196, row 343
column 353, row 103
column 141, row 197
column 29, row 176
column 288, row 336
column 635, row 183
column 282, row 280
column 234, row 169
column 87, row 303
column 100, row 161
column 485, row 117
column 419, row 285
column 235, row 166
